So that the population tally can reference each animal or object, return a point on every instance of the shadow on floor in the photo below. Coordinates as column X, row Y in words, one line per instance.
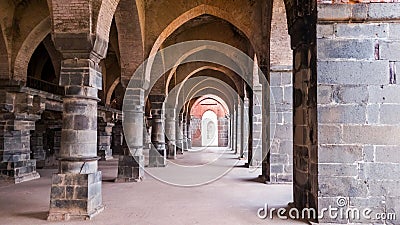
column 34, row 215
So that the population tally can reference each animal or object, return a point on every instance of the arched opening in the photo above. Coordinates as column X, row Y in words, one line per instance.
column 43, row 68
column 209, row 129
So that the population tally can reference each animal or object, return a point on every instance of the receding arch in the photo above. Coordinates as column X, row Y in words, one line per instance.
column 35, row 37
column 4, row 59
column 193, row 13
column 130, row 38
column 111, row 90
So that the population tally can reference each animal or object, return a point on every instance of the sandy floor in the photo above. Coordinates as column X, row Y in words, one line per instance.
column 232, row 199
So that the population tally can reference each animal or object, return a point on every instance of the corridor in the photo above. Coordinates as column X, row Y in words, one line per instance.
column 233, row 199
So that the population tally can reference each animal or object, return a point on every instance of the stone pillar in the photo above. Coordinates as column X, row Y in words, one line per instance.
column 250, row 130
column 117, row 138
column 256, row 157
column 131, row 161
column 245, row 127
column 179, row 135
column 241, row 127
column 170, row 126
column 188, row 133
column 266, row 127
column 17, row 119
column 157, row 157
column 184, row 134
column 104, row 135
column 238, row 128
column 37, row 149
column 146, row 140
column 234, row 144
column 76, row 188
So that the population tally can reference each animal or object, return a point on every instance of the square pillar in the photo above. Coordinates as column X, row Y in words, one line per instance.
column 104, row 134
column 16, row 123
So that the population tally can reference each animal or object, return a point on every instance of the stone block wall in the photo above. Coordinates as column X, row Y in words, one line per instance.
column 358, row 106
column 281, row 124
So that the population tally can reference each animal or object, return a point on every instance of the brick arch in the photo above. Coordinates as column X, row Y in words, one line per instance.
column 188, row 54
column 37, row 35
column 216, row 87
column 111, row 90
column 4, row 59
column 215, row 98
column 191, row 14
column 190, row 75
column 103, row 25
column 210, row 67
column 130, row 38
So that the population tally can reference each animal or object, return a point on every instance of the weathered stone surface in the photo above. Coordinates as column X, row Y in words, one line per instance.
column 349, row 114
column 374, row 30
column 353, row 72
column 359, row 134
column 346, row 49
column 384, row 11
column 340, row 154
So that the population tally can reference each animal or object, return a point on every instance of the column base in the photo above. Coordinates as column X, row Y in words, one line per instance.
column 157, row 157
column 130, row 169
column 179, row 151
column 171, row 151
column 264, row 179
column 75, row 196
column 18, row 172
column 68, row 216
column 106, row 158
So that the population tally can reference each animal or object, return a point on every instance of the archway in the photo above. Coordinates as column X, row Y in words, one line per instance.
column 209, row 129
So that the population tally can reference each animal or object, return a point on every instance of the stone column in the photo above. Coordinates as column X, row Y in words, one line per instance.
column 17, row 119
column 179, row 135
column 245, row 127
column 37, row 149
column 184, row 134
column 104, row 134
column 242, row 129
column 250, row 130
column 117, row 138
column 256, row 157
column 131, row 161
column 76, row 188
column 238, row 128
column 234, row 144
column 188, row 133
column 266, row 127
column 170, row 125
column 146, row 140
column 157, row 157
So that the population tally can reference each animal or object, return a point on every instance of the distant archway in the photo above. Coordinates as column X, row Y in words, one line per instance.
column 209, row 129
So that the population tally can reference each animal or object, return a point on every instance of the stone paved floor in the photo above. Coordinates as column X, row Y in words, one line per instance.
column 232, row 199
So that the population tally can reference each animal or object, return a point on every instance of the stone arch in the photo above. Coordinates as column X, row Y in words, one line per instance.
column 111, row 90
column 28, row 47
